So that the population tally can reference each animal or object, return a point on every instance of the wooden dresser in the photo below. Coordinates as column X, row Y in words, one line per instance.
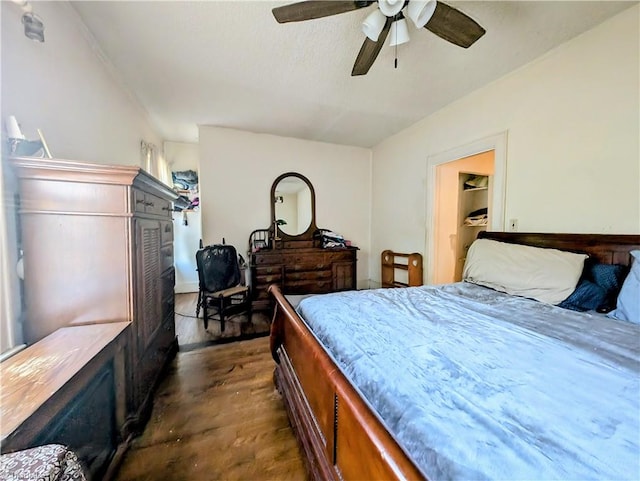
column 290, row 252
column 98, row 248
column 303, row 270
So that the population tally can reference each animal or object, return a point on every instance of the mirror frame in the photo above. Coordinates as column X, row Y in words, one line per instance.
column 307, row 234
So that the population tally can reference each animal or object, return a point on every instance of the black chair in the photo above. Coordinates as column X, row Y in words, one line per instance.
column 258, row 239
column 221, row 293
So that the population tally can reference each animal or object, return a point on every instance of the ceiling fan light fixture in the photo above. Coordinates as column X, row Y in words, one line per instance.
column 421, row 11
column 446, row 22
column 390, row 7
column 373, row 25
column 399, row 33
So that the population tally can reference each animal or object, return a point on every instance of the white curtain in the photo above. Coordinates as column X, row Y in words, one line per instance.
column 154, row 162
column 10, row 328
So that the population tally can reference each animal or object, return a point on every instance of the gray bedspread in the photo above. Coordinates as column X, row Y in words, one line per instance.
column 476, row 384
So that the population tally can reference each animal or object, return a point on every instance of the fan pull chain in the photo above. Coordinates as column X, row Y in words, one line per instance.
column 395, row 61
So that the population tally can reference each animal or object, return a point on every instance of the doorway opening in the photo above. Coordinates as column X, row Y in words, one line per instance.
column 465, row 194
column 462, row 209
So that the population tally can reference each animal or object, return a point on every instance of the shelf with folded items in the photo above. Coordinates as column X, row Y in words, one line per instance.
column 473, row 214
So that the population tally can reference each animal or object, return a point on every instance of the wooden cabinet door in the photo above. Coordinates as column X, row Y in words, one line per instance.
column 343, row 276
column 154, row 301
column 149, row 289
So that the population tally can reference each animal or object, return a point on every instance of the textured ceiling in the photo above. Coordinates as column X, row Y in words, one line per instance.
column 230, row 64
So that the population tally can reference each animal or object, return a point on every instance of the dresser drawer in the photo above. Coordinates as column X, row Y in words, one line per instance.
column 268, row 270
column 267, row 259
column 265, row 280
column 150, row 204
column 157, row 206
column 305, row 258
column 138, row 200
column 307, row 275
column 339, row 255
column 307, row 266
column 308, row 286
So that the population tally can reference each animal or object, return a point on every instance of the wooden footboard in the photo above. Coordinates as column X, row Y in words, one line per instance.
column 341, row 437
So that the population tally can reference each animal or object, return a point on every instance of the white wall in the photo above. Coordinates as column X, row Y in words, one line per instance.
column 63, row 88
column 185, row 156
column 573, row 151
column 237, row 169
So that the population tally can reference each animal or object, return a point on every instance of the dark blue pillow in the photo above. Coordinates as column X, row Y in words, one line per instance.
column 610, row 277
column 598, row 288
column 588, row 296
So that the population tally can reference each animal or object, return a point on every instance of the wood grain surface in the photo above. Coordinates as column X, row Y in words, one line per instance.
column 32, row 377
column 192, row 334
column 217, row 415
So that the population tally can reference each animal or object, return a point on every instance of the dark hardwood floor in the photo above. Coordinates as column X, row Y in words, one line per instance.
column 192, row 335
column 217, row 415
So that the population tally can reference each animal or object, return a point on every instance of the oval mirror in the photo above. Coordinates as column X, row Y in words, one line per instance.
column 293, row 202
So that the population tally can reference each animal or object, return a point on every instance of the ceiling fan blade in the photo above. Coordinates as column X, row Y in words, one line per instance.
column 297, row 12
column 454, row 26
column 370, row 50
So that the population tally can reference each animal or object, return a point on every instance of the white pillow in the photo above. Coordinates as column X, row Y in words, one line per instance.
column 547, row 275
column 628, row 303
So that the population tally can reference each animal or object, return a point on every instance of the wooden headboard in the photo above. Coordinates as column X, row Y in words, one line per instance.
column 604, row 248
column 397, row 261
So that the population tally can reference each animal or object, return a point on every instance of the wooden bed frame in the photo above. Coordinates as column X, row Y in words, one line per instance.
column 340, row 437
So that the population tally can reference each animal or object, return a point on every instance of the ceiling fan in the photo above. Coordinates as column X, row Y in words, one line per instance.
column 441, row 19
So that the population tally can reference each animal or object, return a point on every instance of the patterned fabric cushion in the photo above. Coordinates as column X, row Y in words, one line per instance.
column 51, row 462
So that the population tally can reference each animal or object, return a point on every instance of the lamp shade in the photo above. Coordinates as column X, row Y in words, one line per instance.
column 13, row 129
column 421, row 11
column 390, row 7
column 399, row 33
column 373, row 24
